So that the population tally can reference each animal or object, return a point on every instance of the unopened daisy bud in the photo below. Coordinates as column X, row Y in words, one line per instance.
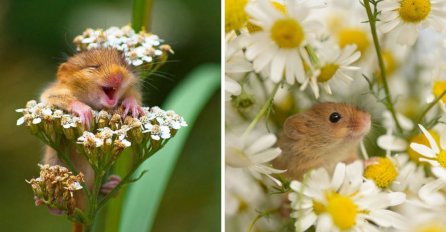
column 382, row 173
column 243, row 100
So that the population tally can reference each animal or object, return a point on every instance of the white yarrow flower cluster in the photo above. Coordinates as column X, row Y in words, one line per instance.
column 138, row 48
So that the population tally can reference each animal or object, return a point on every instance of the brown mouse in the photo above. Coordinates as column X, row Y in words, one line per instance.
column 95, row 79
column 321, row 136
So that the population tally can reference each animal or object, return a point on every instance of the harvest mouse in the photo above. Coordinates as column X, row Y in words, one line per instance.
column 321, row 136
column 95, row 79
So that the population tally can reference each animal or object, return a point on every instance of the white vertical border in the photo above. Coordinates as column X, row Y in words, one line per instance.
column 222, row 75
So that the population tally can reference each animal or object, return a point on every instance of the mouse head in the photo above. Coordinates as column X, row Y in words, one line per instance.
column 328, row 124
column 98, row 77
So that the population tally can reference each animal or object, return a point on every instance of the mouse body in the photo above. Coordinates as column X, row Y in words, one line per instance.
column 92, row 80
column 321, row 136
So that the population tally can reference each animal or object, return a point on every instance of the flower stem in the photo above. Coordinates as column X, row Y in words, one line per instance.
column 372, row 22
column 142, row 12
column 429, row 107
column 259, row 216
column 262, row 111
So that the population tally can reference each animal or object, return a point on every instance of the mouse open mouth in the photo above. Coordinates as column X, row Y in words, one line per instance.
column 109, row 91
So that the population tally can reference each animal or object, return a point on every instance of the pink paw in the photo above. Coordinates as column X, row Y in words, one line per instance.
column 84, row 112
column 131, row 106
column 112, row 182
column 370, row 161
column 52, row 211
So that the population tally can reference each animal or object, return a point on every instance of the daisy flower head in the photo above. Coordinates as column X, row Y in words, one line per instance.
column 344, row 202
column 254, row 153
column 433, row 154
column 335, row 65
column 279, row 46
column 407, row 17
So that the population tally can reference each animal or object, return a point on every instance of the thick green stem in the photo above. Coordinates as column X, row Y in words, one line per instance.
column 262, row 111
column 142, row 12
column 389, row 105
column 429, row 107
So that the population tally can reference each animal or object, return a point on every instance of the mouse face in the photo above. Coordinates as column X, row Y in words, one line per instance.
column 328, row 124
column 98, row 77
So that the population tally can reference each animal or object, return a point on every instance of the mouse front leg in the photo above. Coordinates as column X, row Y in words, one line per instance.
column 132, row 103
column 61, row 97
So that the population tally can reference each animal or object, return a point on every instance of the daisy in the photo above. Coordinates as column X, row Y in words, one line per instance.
column 236, row 65
column 434, row 155
column 408, row 17
column 344, row 202
column 253, row 153
column 334, row 64
column 278, row 47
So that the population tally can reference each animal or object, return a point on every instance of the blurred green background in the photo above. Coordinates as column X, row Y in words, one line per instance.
column 35, row 37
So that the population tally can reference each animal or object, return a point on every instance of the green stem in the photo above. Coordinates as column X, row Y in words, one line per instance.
column 93, row 200
column 262, row 111
column 429, row 107
column 259, row 216
column 389, row 105
column 142, row 12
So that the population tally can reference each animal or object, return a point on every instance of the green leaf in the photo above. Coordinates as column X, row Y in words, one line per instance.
column 143, row 197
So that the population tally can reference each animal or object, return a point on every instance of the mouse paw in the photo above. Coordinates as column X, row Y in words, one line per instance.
column 131, row 106
column 111, row 183
column 84, row 112
column 52, row 211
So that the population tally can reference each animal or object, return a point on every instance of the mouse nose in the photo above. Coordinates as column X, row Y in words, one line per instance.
column 115, row 79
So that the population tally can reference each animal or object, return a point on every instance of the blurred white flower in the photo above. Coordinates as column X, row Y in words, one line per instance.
column 344, row 202
column 434, row 155
column 278, row 47
column 406, row 18
column 334, row 64
column 253, row 153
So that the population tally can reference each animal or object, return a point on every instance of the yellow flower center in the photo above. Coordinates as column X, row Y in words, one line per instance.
column 389, row 62
column 438, row 88
column 318, row 207
column 287, row 33
column 432, row 228
column 342, row 211
column 235, row 15
column 414, row 11
column 441, row 158
column 383, row 173
column 356, row 36
column 327, row 72
column 421, row 139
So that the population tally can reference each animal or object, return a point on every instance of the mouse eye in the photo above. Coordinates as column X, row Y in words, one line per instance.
column 94, row 66
column 335, row 117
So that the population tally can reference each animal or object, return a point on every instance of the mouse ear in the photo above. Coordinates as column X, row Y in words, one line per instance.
column 63, row 70
column 291, row 127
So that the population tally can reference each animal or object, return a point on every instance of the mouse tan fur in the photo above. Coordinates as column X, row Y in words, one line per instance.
column 321, row 136
column 95, row 79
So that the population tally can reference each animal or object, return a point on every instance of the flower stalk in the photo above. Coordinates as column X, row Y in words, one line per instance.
column 372, row 22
